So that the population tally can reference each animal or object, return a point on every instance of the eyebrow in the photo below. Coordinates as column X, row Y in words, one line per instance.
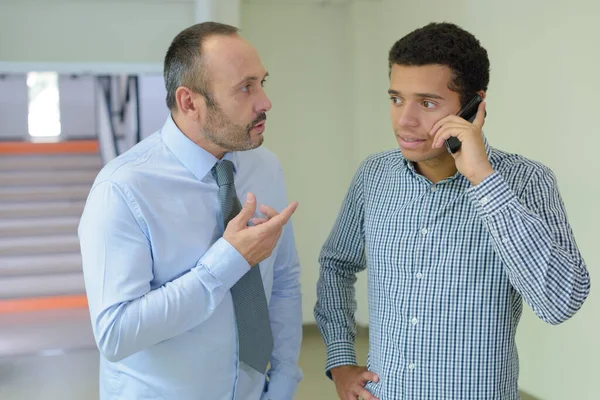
column 250, row 79
column 422, row 95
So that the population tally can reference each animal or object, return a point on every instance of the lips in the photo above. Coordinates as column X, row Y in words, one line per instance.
column 411, row 139
column 409, row 142
column 260, row 127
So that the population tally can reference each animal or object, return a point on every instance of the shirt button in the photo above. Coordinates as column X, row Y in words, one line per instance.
column 414, row 321
column 484, row 200
column 411, row 366
column 424, row 231
column 433, row 188
column 419, row 275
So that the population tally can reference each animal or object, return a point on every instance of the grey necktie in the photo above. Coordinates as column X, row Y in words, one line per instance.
column 248, row 294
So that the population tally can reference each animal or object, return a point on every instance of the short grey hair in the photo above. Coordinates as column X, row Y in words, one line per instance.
column 183, row 61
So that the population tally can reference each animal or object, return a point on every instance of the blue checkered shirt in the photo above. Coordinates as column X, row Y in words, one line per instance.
column 448, row 266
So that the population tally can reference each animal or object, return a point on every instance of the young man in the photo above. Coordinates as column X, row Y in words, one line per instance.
column 452, row 242
column 187, row 300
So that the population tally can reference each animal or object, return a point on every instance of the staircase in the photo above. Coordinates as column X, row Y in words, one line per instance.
column 43, row 188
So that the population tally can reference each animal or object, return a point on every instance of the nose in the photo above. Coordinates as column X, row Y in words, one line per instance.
column 407, row 115
column 264, row 103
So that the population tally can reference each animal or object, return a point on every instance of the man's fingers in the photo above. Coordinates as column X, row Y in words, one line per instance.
column 241, row 220
column 445, row 133
column 438, row 125
column 480, row 117
column 365, row 394
column 258, row 221
column 279, row 220
column 370, row 376
column 268, row 211
column 286, row 214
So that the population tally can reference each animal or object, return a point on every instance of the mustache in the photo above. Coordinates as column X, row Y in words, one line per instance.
column 261, row 117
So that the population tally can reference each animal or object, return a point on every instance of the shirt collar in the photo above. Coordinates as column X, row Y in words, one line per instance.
column 197, row 160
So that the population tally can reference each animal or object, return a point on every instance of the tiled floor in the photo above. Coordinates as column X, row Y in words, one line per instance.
column 51, row 374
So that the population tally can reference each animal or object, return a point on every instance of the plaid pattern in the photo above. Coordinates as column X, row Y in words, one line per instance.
column 448, row 267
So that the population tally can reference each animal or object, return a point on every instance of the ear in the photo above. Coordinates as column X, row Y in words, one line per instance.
column 482, row 94
column 190, row 103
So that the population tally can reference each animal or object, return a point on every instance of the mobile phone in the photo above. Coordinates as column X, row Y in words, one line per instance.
column 468, row 112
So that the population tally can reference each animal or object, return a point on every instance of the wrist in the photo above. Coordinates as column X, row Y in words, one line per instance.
column 335, row 371
column 480, row 174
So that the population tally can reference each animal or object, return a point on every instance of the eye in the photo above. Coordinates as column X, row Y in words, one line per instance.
column 262, row 83
column 246, row 88
column 396, row 100
column 429, row 104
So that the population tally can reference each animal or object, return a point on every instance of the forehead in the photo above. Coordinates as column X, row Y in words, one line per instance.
column 420, row 79
column 229, row 59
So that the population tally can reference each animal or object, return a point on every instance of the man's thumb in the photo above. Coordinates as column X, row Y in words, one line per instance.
column 247, row 211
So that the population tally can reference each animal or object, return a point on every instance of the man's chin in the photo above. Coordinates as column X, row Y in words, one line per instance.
column 412, row 155
column 256, row 142
column 417, row 157
column 250, row 146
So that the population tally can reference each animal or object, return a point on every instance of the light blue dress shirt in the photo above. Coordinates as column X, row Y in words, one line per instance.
column 158, row 275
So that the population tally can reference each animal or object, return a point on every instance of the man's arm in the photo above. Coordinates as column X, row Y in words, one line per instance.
column 342, row 257
column 127, row 316
column 533, row 239
column 285, row 310
column 536, row 244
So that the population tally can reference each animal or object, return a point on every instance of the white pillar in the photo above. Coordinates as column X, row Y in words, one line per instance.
column 205, row 10
column 224, row 11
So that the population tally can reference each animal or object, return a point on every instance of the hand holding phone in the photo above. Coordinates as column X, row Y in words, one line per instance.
column 468, row 112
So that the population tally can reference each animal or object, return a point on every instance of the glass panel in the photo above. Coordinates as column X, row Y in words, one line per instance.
column 44, row 108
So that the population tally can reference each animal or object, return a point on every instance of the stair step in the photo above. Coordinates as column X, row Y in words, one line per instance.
column 41, row 285
column 39, row 245
column 40, row 193
column 41, row 209
column 40, row 264
column 38, row 226
column 36, row 177
column 44, row 332
column 43, row 189
column 68, row 147
column 43, row 162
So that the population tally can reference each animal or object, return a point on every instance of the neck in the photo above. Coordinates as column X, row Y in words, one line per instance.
column 438, row 168
column 193, row 131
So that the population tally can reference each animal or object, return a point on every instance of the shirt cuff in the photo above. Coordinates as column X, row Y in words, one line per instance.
column 281, row 387
column 338, row 354
column 492, row 194
column 222, row 264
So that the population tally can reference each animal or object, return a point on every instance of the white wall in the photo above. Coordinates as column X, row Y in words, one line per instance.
column 541, row 103
column 307, row 50
column 545, row 83
column 90, row 30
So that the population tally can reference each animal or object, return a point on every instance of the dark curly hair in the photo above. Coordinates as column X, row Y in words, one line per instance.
column 450, row 45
